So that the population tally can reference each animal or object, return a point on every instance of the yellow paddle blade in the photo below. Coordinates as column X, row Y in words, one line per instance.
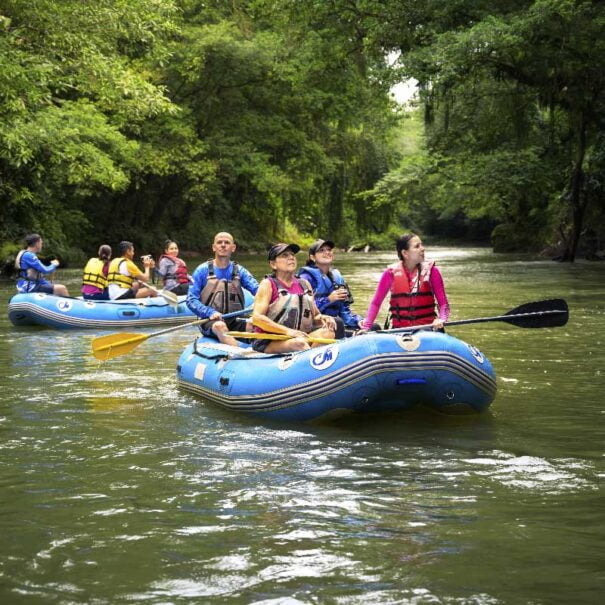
column 265, row 335
column 114, row 345
column 322, row 341
column 269, row 336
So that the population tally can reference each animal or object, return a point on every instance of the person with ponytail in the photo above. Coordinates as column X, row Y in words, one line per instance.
column 416, row 287
column 94, row 280
column 173, row 269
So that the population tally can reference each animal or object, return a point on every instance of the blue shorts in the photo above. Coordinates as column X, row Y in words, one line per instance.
column 97, row 296
column 42, row 286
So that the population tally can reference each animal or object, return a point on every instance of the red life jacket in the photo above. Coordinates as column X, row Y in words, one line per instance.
column 412, row 301
column 178, row 270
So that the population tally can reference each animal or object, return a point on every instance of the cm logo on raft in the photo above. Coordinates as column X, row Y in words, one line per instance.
column 64, row 305
column 324, row 358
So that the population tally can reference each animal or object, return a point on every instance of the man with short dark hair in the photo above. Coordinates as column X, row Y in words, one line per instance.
column 124, row 278
column 30, row 269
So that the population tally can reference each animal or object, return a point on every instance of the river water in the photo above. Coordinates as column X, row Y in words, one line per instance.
column 115, row 487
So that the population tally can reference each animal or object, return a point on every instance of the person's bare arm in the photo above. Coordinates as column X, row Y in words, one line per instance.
column 262, row 300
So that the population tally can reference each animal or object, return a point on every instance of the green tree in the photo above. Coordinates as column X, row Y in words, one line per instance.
column 513, row 98
column 73, row 96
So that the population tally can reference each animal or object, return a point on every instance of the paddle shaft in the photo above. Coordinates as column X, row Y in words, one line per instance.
column 197, row 322
column 271, row 336
column 130, row 339
column 169, row 297
column 478, row 320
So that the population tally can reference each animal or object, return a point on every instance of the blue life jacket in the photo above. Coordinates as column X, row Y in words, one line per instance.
column 323, row 285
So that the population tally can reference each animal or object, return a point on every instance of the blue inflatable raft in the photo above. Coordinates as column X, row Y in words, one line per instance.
column 59, row 312
column 371, row 373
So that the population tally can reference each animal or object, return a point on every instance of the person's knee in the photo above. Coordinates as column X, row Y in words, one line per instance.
column 219, row 326
column 298, row 344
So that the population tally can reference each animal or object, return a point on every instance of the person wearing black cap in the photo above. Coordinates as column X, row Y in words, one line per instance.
column 284, row 304
column 332, row 295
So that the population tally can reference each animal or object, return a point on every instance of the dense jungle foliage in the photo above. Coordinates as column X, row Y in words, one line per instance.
column 142, row 119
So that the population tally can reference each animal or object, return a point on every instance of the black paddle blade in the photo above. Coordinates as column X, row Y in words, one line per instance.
column 550, row 313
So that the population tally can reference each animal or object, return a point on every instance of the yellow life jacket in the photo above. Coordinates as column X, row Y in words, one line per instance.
column 115, row 277
column 93, row 274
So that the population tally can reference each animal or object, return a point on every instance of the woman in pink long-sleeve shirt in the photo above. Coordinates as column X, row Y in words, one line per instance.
column 415, row 286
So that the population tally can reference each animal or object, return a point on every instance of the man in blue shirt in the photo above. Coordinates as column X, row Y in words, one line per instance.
column 218, row 288
column 30, row 269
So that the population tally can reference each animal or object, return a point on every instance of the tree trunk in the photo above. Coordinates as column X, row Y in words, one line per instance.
column 336, row 201
column 577, row 196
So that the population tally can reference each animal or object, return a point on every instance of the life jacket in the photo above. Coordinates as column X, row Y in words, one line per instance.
column 94, row 275
column 29, row 274
column 178, row 270
column 115, row 277
column 412, row 304
column 295, row 311
column 327, row 283
column 221, row 294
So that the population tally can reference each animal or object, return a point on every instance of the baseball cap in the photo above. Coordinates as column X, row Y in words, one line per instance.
column 280, row 248
column 316, row 245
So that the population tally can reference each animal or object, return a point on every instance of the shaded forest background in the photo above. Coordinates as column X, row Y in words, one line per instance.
column 147, row 119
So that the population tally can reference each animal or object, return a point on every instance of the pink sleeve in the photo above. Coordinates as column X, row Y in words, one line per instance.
column 384, row 285
column 439, row 291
